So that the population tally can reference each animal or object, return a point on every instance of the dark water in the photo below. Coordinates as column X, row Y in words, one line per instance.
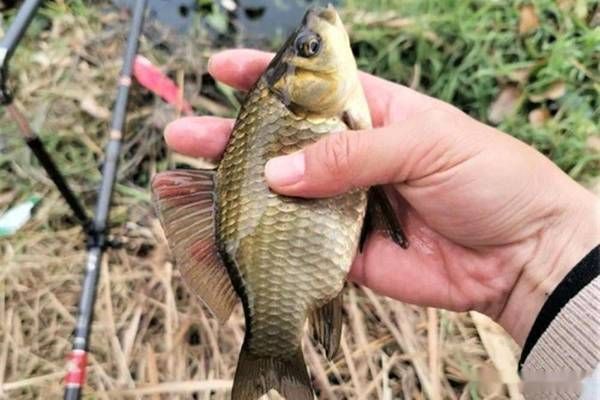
column 177, row 14
column 253, row 21
column 270, row 19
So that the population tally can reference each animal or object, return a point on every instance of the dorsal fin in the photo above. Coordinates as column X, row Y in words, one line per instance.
column 185, row 203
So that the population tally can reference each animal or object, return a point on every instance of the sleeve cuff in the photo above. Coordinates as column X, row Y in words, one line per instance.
column 562, row 350
column 578, row 278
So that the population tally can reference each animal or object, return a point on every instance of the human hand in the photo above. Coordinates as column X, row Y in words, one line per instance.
column 493, row 225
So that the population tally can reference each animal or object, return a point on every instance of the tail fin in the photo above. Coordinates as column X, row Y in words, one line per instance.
column 255, row 376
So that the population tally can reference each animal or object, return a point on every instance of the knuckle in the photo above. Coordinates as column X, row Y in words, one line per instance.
column 446, row 118
column 440, row 116
column 337, row 155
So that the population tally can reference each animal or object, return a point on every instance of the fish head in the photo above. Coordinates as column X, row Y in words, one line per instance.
column 315, row 73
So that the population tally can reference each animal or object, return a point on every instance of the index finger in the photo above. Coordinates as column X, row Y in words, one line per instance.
column 388, row 102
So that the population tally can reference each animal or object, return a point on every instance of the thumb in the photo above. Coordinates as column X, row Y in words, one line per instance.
column 343, row 161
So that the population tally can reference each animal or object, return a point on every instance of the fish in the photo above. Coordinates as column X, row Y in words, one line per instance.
column 284, row 258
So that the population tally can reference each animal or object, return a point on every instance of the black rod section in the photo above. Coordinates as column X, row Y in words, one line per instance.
column 76, row 368
column 46, row 161
column 8, row 44
column 11, row 39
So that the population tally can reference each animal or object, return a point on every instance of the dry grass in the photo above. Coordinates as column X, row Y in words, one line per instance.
column 150, row 339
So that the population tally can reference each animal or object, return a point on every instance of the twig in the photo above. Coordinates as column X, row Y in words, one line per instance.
column 433, row 350
column 175, row 387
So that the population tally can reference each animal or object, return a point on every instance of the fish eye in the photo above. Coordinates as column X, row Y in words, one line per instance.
column 308, row 45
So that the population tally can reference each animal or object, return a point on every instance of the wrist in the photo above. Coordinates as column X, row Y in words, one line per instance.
column 563, row 241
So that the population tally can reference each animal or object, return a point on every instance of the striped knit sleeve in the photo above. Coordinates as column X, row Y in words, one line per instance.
column 561, row 356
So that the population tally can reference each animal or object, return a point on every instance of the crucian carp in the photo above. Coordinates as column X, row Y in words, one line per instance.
column 284, row 258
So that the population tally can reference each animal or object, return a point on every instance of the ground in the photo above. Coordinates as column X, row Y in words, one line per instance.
column 529, row 67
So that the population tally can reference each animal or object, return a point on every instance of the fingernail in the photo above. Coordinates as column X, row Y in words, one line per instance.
column 170, row 127
column 285, row 170
column 211, row 62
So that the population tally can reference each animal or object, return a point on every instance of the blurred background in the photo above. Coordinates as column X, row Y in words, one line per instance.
column 532, row 68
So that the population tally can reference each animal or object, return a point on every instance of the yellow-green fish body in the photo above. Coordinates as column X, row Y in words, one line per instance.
column 285, row 258
column 290, row 255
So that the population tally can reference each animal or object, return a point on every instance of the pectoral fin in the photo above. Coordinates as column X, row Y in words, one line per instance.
column 185, row 203
column 356, row 115
column 326, row 323
column 381, row 217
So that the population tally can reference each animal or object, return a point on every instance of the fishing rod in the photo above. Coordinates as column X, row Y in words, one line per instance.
column 8, row 45
column 98, row 240
column 11, row 40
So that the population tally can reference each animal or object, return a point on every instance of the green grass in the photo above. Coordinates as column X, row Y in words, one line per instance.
column 462, row 51
column 466, row 51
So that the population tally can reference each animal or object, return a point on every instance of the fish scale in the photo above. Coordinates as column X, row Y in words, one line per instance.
column 292, row 255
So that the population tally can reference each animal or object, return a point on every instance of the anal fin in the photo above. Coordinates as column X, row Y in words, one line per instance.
column 326, row 323
column 381, row 217
column 185, row 203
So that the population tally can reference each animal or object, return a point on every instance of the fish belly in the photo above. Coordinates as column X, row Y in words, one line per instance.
column 296, row 260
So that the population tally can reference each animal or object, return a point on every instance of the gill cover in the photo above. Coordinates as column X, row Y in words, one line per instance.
column 314, row 73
